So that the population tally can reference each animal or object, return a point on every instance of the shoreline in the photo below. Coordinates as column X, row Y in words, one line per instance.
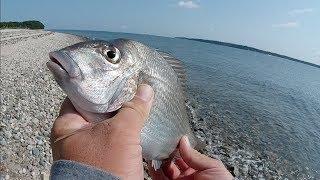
column 248, row 48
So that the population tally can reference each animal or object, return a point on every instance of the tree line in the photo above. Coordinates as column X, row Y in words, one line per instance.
column 22, row 25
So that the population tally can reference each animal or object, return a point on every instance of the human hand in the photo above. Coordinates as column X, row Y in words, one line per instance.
column 191, row 165
column 112, row 145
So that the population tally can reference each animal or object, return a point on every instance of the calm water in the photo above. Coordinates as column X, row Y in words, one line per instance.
column 261, row 104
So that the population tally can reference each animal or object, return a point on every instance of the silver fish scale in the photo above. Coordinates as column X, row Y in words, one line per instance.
column 168, row 120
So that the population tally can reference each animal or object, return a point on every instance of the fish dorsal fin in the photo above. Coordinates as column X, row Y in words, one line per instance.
column 177, row 66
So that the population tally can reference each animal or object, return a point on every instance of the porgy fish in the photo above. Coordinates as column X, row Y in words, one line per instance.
column 99, row 76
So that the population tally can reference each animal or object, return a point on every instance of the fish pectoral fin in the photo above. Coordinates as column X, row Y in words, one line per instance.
column 156, row 164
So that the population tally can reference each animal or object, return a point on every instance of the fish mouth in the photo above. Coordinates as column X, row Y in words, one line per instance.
column 61, row 64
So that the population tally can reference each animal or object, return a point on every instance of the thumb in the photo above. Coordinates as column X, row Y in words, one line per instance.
column 195, row 159
column 134, row 113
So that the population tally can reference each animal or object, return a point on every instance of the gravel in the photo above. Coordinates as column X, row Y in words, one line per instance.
column 30, row 99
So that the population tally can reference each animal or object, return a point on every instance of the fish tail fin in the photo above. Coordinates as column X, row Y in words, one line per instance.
column 156, row 164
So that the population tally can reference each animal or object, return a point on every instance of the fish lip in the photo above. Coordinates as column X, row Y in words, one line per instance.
column 61, row 61
column 57, row 70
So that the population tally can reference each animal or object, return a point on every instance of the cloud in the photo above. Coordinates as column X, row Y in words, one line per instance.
column 124, row 27
column 188, row 4
column 300, row 11
column 286, row 25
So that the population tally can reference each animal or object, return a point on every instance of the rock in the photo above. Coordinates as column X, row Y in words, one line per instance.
column 2, row 158
column 29, row 147
column 24, row 144
column 46, row 78
column 236, row 171
column 44, row 176
column 46, row 133
column 41, row 148
column 22, row 171
column 39, row 142
column 8, row 134
column 3, row 142
column 35, row 121
column 16, row 137
column 35, row 152
column 42, row 162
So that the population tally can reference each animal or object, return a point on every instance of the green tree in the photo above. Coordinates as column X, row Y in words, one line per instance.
column 24, row 24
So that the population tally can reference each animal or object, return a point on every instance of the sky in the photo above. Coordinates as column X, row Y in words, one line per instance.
column 288, row 27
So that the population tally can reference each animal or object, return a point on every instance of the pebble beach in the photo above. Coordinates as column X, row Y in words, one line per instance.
column 30, row 101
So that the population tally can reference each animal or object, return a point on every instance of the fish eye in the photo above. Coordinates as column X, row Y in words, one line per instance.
column 112, row 54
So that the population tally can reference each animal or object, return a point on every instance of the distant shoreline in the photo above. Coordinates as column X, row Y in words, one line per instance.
column 31, row 24
column 250, row 49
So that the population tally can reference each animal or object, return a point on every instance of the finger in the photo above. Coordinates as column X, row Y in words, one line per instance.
column 195, row 159
column 181, row 164
column 68, row 122
column 171, row 170
column 134, row 113
column 67, row 107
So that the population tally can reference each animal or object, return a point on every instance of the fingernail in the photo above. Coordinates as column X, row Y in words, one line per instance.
column 187, row 141
column 145, row 92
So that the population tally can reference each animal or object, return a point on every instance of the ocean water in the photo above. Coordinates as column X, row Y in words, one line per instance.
column 264, row 111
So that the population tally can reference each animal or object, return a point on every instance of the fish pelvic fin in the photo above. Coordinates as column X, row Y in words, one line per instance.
column 156, row 164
